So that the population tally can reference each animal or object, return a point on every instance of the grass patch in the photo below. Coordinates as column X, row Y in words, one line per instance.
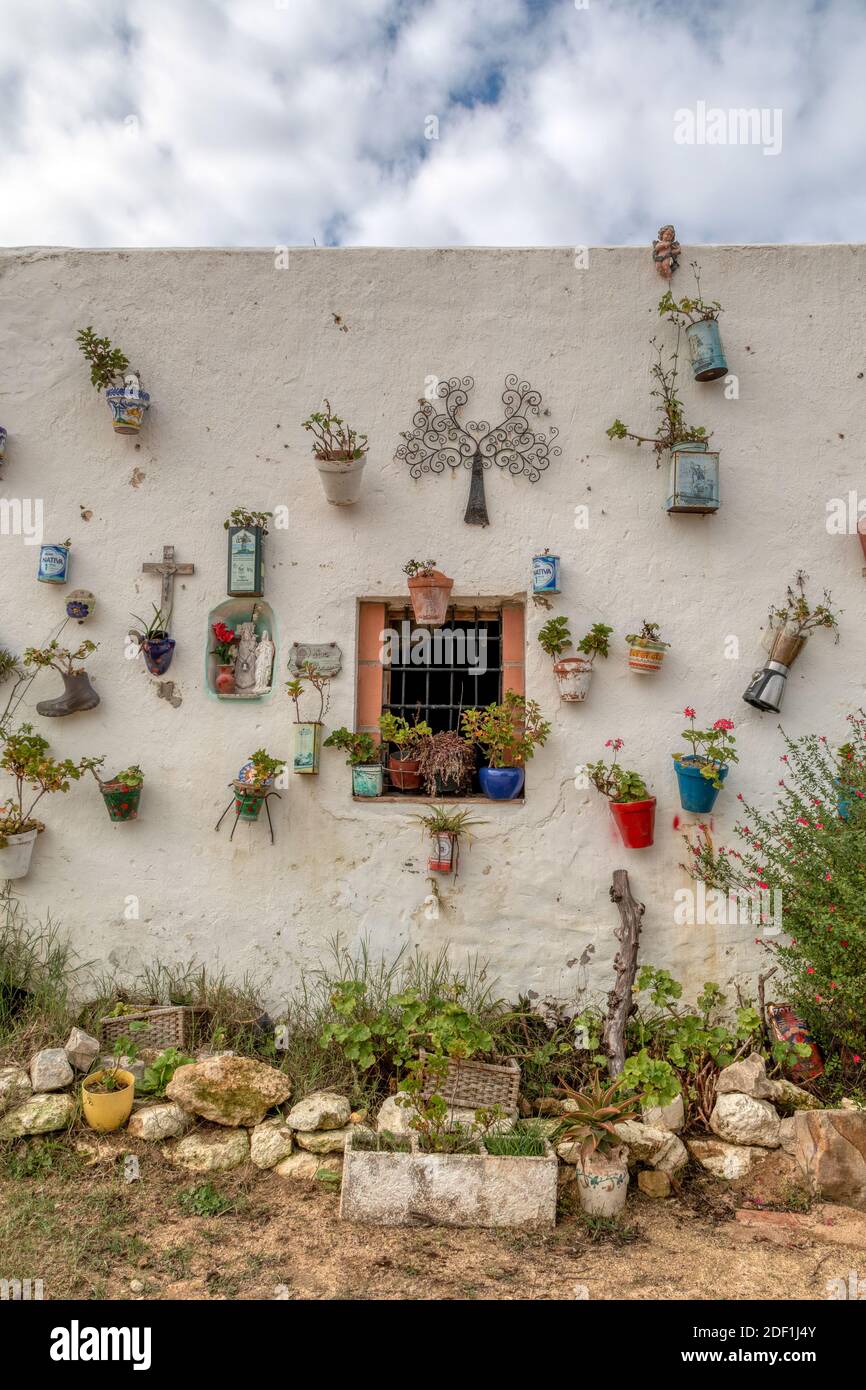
column 39, row 1158
column 205, row 1200
column 525, row 1140
column 382, row 1143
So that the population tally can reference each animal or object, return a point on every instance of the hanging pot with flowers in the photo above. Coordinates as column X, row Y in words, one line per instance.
column 632, row 807
column 694, row 472
column 109, row 371
column 122, row 793
column 26, row 758
column 509, row 734
column 225, row 649
column 308, row 732
column 646, row 649
column 404, row 766
column 154, row 642
column 700, row 320
column 574, row 673
column 430, row 591
column 363, row 757
column 446, row 763
column 340, row 456
column 445, row 827
column 702, row 772
column 78, row 693
column 788, row 629
column 246, row 560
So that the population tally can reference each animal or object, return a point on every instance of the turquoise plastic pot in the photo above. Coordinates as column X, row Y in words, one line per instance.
column 706, row 351
column 501, row 783
column 697, row 793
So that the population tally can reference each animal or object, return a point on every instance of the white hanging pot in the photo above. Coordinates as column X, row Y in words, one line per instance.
column 602, row 1182
column 16, row 854
column 341, row 478
column 574, row 674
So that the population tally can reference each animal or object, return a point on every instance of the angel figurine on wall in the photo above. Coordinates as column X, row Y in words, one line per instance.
column 666, row 252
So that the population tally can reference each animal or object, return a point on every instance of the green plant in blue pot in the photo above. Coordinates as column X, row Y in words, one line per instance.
column 363, row 757
column 702, row 772
column 509, row 734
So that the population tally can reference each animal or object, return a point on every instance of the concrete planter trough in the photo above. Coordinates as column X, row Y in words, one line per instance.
column 470, row 1189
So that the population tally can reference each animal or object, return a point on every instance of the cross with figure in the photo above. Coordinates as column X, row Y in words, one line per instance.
column 167, row 570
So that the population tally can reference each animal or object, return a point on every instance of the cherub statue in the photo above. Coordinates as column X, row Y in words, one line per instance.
column 666, row 251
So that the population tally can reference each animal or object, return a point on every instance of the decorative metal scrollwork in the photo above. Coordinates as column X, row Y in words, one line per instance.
column 441, row 439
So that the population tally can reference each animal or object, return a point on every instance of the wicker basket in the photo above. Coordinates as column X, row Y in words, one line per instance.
column 473, row 1085
column 166, row 1026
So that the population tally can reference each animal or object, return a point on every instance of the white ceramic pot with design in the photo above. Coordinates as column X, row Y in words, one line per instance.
column 16, row 854
column 574, row 674
column 602, row 1182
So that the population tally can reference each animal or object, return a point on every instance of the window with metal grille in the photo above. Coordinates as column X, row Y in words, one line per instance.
column 435, row 673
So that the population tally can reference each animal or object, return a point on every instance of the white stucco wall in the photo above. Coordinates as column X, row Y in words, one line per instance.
column 236, row 353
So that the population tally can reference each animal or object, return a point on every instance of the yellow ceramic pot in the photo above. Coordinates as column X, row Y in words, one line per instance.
column 107, row 1110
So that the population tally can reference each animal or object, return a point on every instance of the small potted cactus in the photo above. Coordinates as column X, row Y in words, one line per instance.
column 109, row 371
column 574, row 673
column 340, row 455
column 646, row 649
column 429, row 590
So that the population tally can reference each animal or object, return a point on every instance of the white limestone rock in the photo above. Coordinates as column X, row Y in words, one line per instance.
column 159, row 1122
column 41, row 1114
column 671, row 1116
column 270, row 1142
column 741, row 1119
column 307, row 1165
column 81, row 1049
column 320, row 1110
column 723, row 1160
column 210, row 1150
column 748, row 1077
column 50, row 1070
column 15, row 1087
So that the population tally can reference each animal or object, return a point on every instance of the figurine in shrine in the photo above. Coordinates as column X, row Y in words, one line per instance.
column 666, row 252
column 245, row 662
column 264, row 663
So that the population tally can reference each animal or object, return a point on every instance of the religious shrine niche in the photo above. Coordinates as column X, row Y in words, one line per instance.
column 241, row 650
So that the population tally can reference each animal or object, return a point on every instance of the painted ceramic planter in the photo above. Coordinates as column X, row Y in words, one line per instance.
column 706, row 351
column 574, row 674
column 108, row 1110
column 248, row 803
column 441, row 859
column 430, row 596
column 646, row 656
column 158, row 652
column 53, row 564
column 80, row 605
column 341, row 478
column 16, row 854
column 307, row 747
column 403, row 774
column 697, row 792
column 545, row 574
column 121, row 801
column 367, row 779
column 127, row 408
column 635, row 821
column 501, row 783
column 78, row 694
column 694, row 480
column 602, row 1183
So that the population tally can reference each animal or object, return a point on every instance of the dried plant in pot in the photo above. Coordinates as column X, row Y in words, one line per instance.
column 154, row 641
column 26, row 758
column 340, row 455
column 574, row 673
column 598, row 1153
column 110, row 371
column 446, row 763
column 308, row 732
column 509, row 734
column 404, row 766
column 445, row 827
column 632, row 807
column 699, row 318
column 429, row 590
column 78, row 693
column 646, row 649
column 363, row 756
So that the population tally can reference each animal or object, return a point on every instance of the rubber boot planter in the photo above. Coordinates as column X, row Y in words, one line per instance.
column 78, row 694
column 697, row 792
column 635, row 821
column 158, row 651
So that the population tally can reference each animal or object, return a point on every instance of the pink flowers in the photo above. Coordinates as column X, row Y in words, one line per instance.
column 614, row 743
column 689, row 712
column 724, row 724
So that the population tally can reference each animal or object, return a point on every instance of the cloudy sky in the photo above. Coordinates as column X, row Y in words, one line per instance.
column 418, row 122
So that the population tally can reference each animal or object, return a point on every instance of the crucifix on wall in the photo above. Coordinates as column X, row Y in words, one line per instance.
column 167, row 569
column 440, row 437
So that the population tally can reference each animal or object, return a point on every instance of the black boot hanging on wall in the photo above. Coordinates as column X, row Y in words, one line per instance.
column 78, row 694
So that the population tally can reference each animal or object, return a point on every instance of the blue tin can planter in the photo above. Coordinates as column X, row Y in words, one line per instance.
column 367, row 779
column 127, row 408
column 53, row 564
column 697, row 793
column 501, row 783
column 706, row 351
column 545, row 574
column 157, row 653
column 694, row 480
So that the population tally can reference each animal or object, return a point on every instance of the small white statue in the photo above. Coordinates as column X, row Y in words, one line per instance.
column 245, row 661
column 264, row 663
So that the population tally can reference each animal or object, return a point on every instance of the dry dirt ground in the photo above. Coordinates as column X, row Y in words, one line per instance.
column 73, row 1221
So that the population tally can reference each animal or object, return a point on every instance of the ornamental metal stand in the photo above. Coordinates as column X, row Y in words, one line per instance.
column 239, row 803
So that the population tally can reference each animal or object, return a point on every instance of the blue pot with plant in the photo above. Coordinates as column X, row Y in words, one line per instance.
column 155, row 644
column 501, row 783
column 701, row 773
column 509, row 734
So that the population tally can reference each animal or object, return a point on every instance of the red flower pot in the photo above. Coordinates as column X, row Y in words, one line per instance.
column 404, row 773
column 635, row 821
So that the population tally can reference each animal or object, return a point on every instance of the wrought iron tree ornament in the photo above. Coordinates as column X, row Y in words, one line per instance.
column 441, row 439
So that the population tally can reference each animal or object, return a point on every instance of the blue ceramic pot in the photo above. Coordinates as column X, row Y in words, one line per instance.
column 501, row 783
column 127, row 408
column 157, row 654
column 697, row 793
column 706, row 351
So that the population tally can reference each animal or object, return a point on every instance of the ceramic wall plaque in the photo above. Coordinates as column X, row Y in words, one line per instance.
column 327, row 657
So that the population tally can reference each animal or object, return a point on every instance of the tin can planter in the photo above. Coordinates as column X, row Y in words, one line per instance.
column 602, row 1183
column 574, row 674
column 248, row 803
column 127, row 408
column 53, row 564
column 501, row 783
column 706, row 351
column 246, row 562
column 441, row 858
column 545, row 574
column 341, row 477
column 646, row 656
column 404, row 774
column 16, row 854
column 121, row 801
column 107, row 1110
column 697, row 792
column 367, row 779
column 635, row 821
column 694, row 480
column 158, row 652
column 307, row 747
column 430, row 596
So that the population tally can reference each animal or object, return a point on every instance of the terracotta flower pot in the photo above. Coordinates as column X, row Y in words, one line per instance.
column 404, row 773
column 430, row 596
column 574, row 674
column 635, row 821
column 861, row 532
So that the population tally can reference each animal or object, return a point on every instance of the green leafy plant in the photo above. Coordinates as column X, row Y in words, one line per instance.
column 508, row 732
column 615, row 782
column 241, row 516
column 555, row 638
column 653, row 1077
column 107, row 364
column 688, row 311
column 430, row 1114
column 395, row 1032
column 526, row 1140
column 160, row 1071
column 405, row 737
column 310, row 675
column 265, row 769
column 592, row 1125
column 361, row 748
column 25, row 757
column 419, row 569
column 672, row 429
column 61, row 658
column 798, row 617
column 155, row 629
column 445, row 759
column 124, row 1053
column 128, row 779
column 333, row 437
column 441, row 820
column 204, row 1200
column 713, row 749
column 650, row 634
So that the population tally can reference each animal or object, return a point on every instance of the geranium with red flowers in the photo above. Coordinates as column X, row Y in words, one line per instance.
column 225, row 640
column 712, row 749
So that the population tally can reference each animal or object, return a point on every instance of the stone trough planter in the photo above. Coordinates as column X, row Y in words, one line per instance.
column 471, row 1189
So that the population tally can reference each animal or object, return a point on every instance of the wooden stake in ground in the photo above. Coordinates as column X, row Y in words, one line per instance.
column 620, row 1000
